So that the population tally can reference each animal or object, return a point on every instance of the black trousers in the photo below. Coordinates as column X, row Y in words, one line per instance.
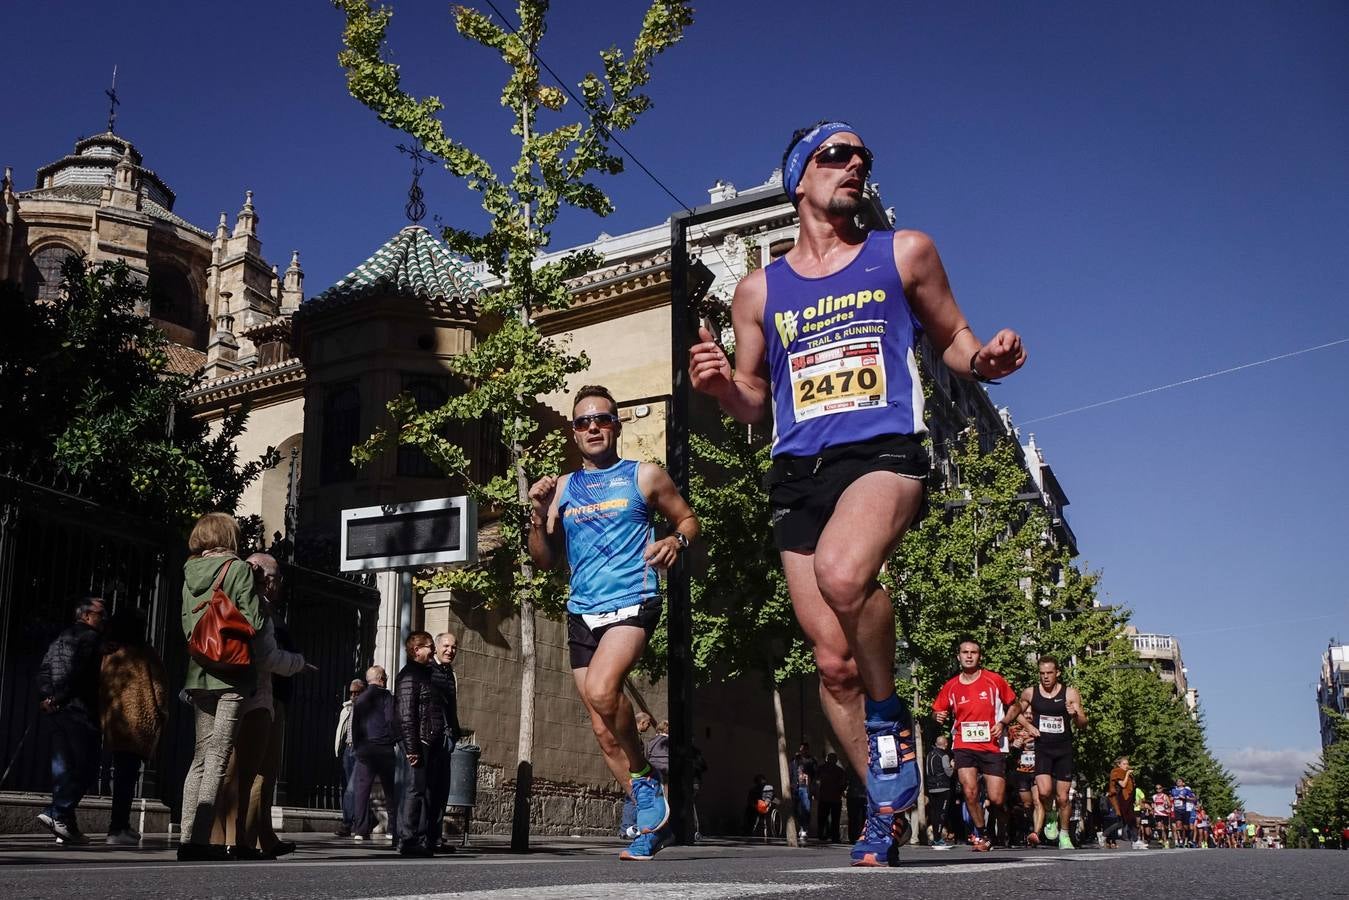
column 415, row 814
column 375, row 761
column 829, row 814
column 938, row 803
column 438, row 787
column 857, row 817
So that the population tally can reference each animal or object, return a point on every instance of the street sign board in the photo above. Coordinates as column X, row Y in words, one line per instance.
column 440, row 532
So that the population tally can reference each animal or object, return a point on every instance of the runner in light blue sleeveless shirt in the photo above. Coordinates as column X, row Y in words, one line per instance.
column 608, row 527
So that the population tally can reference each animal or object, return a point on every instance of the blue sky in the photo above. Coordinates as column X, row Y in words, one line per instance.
column 1147, row 194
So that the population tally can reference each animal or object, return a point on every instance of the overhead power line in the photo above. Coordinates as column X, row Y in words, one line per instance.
column 1175, row 384
column 607, row 133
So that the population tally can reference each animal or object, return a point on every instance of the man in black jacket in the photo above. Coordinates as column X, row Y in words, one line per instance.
column 438, row 778
column 939, row 769
column 421, row 730
column 67, row 682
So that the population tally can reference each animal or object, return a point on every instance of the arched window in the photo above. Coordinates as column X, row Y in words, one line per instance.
column 42, row 276
column 172, row 298
column 341, row 431
column 430, row 393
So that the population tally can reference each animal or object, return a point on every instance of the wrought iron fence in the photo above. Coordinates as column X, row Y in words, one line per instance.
column 55, row 546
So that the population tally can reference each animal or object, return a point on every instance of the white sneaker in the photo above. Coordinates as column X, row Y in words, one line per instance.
column 124, row 838
column 1139, row 845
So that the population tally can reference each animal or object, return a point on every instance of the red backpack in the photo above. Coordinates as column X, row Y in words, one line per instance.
column 220, row 640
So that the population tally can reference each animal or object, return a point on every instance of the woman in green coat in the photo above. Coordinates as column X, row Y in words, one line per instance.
column 216, row 695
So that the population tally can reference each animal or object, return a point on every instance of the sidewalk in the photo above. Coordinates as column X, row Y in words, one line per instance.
column 30, row 849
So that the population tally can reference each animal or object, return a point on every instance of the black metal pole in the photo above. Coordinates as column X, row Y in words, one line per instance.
column 680, row 620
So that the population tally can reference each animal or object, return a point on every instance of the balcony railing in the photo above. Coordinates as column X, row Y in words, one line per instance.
column 1154, row 642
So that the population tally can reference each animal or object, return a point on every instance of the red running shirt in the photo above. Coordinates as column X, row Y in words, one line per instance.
column 974, row 708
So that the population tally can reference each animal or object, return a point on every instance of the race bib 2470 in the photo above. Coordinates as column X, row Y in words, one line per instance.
column 841, row 377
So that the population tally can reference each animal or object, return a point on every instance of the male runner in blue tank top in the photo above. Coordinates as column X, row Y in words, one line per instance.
column 826, row 333
column 605, row 510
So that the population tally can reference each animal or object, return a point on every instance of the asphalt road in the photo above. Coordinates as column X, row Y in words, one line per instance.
column 31, row 867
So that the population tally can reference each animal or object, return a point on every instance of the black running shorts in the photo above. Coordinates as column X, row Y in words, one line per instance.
column 803, row 490
column 987, row 762
column 583, row 638
column 1056, row 761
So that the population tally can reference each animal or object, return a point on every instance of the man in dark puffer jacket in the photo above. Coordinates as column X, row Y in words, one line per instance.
column 67, row 682
column 421, row 732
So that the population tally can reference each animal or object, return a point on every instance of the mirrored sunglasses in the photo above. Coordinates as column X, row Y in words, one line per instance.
column 841, row 154
column 603, row 420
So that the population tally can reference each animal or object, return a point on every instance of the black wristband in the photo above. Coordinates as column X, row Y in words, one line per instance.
column 974, row 372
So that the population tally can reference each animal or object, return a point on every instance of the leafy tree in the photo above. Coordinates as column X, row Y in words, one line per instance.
column 86, row 389
column 980, row 565
column 515, row 364
column 1325, row 802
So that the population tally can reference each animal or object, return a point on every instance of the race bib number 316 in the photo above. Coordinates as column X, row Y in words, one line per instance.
column 841, row 377
column 976, row 732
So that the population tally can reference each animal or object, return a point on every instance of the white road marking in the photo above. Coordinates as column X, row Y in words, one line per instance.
column 681, row 891
column 955, row 869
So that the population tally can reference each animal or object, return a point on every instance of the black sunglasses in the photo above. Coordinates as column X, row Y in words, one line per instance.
column 841, row 154
column 603, row 420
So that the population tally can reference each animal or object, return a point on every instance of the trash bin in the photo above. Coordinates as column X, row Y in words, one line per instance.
column 464, row 776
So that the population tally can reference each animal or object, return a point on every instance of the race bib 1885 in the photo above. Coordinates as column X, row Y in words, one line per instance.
column 1051, row 724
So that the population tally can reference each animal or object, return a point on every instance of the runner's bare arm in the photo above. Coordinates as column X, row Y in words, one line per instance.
column 546, row 539
column 929, row 293
column 1024, row 716
column 1073, row 702
column 662, row 496
column 742, row 393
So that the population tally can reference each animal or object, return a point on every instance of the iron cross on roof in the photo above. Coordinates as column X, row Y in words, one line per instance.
column 416, row 206
column 113, row 102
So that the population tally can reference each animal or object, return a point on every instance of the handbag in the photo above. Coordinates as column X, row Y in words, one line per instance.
column 220, row 640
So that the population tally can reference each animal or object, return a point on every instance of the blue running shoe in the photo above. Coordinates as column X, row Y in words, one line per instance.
column 877, row 844
column 644, row 846
column 892, row 763
column 652, row 810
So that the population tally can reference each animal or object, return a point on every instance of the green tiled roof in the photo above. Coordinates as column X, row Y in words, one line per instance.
column 412, row 263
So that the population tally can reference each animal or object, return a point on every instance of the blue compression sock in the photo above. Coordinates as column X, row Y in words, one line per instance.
column 887, row 710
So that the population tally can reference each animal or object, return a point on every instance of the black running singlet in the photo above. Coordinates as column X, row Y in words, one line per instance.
column 1050, row 716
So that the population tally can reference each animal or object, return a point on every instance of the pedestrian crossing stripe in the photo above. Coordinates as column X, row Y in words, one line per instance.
column 626, row 889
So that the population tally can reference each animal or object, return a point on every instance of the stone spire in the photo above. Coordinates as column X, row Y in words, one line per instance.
column 124, row 189
column 8, row 215
column 292, row 288
column 223, row 351
column 247, row 223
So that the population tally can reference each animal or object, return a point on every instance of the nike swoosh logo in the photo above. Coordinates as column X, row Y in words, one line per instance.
column 871, row 268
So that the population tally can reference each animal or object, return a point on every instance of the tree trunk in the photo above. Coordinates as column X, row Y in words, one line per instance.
column 524, row 767
column 784, row 770
column 920, row 813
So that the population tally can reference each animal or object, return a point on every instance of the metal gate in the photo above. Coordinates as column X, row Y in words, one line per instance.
column 332, row 621
column 55, row 546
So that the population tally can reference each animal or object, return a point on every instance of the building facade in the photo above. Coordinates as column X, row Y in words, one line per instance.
column 1162, row 652
column 1332, row 690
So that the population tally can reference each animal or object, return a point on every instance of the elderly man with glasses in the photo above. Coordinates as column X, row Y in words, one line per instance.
column 605, row 510
column 345, row 749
